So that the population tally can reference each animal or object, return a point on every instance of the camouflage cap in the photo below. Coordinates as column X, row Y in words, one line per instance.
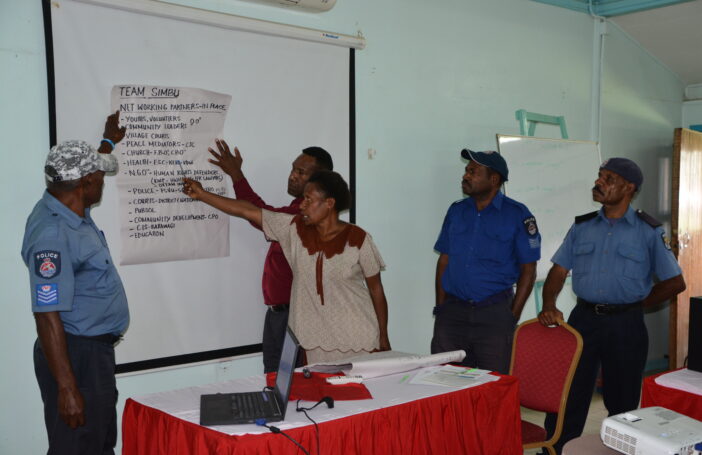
column 73, row 159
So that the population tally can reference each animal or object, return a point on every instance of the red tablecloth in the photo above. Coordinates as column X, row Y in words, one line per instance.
column 478, row 420
column 653, row 394
column 316, row 387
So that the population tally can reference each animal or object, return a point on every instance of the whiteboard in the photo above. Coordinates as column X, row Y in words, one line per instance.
column 287, row 94
column 553, row 178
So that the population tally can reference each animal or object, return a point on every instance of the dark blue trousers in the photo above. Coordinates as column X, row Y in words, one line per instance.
column 484, row 332
column 619, row 344
column 93, row 365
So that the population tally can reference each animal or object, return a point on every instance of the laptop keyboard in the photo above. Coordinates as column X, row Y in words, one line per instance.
column 251, row 404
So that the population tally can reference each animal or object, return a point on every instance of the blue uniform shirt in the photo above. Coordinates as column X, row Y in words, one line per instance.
column 71, row 270
column 486, row 248
column 615, row 263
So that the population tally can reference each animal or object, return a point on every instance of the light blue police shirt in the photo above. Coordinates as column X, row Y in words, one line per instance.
column 615, row 263
column 71, row 270
column 487, row 247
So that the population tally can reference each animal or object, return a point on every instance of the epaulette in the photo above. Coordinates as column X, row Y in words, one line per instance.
column 587, row 216
column 648, row 219
column 50, row 229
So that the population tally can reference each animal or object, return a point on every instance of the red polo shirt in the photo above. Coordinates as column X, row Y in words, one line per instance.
column 277, row 275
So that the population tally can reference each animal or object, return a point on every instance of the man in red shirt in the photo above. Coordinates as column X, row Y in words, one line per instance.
column 277, row 276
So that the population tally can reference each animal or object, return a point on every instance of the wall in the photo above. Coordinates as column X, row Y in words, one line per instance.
column 23, row 146
column 641, row 107
column 692, row 113
column 435, row 77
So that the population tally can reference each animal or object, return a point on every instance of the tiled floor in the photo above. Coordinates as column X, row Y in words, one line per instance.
column 595, row 417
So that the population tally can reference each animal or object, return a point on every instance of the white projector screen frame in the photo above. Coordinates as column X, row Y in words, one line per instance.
column 287, row 94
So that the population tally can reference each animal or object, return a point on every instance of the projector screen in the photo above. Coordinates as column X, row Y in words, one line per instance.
column 286, row 94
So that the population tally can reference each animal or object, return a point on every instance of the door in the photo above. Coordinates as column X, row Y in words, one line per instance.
column 686, row 222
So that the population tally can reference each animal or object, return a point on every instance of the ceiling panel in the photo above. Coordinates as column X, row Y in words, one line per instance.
column 672, row 34
column 610, row 8
column 671, row 30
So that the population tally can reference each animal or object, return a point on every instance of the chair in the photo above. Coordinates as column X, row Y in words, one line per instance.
column 544, row 360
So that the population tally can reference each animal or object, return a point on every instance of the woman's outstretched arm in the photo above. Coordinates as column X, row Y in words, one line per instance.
column 234, row 207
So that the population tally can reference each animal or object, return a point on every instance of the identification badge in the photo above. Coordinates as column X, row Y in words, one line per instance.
column 47, row 263
column 47, row 294
column 530, row 225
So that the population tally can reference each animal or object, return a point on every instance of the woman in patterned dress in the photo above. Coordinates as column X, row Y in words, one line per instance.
column 338, row 307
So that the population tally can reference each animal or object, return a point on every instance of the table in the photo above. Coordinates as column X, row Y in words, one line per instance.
column 402, row 418
column 687, row 403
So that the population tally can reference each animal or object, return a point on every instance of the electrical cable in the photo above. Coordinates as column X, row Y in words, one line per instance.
column 316, row 428
column 330, row 404
column 276, row 430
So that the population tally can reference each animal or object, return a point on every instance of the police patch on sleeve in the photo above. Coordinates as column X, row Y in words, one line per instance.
column 47, row 294
column 530, row 225
column 666, row 242
column 47, row 263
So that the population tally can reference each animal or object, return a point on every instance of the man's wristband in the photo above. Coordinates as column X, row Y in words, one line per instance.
column 112, row 144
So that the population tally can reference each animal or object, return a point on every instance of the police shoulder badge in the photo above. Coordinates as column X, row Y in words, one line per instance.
column 666, row 242
column 530, row 225
column 47, row 263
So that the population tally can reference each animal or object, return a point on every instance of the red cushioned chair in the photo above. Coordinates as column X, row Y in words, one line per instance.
column 544, row 360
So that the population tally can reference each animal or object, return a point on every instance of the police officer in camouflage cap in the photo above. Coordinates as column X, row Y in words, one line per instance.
column 78, row 301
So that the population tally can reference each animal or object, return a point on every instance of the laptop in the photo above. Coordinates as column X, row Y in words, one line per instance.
column 247, row 407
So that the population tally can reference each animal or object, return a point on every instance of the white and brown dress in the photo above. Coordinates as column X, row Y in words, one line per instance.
column 331, row 311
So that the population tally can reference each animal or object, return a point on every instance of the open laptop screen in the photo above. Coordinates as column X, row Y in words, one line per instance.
column 288, row 359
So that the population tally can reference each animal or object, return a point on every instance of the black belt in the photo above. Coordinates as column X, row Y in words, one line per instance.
column 279, row 308
column 608, row 308
column 495, row 298
column 106, row 338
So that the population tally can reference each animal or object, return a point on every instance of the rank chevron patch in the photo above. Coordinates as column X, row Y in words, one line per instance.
column 47, row 294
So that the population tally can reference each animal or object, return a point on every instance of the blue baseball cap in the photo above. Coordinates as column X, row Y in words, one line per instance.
column 629, row 170
column 490, row 159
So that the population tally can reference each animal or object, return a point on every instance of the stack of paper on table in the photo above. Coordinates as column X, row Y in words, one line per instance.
column 387, row 362
column 452, row 376
column 685, row 380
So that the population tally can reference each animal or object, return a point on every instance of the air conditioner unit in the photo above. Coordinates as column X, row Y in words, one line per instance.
column 313, row 6
column 651, row 431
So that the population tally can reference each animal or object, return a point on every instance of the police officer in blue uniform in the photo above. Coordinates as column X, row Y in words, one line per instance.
column 488, row 242
column 78, row 300
column 614, row 254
